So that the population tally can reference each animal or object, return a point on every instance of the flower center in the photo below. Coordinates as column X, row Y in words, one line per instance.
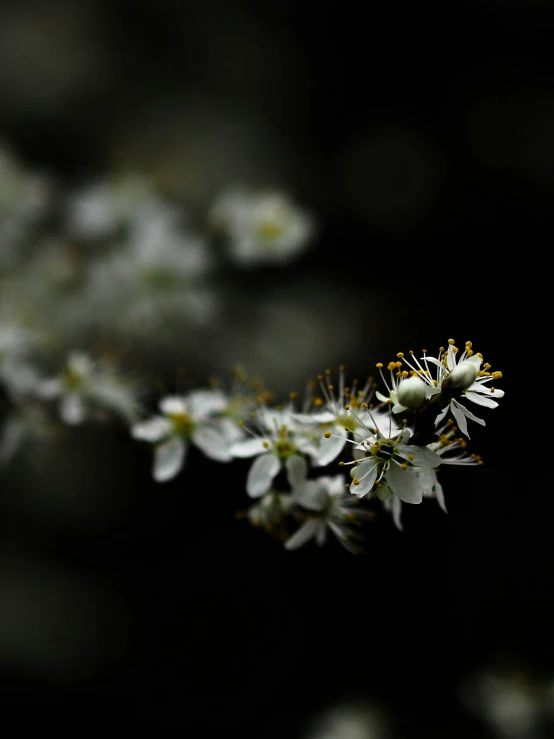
column 71, row 379
column 269, row 230
column 183, row 425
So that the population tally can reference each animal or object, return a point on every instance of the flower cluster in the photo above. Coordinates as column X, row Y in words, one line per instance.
column 397, row 441
column 391, row 441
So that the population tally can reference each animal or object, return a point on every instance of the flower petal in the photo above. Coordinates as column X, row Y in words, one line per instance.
column 331, row 448
column 367, row 479
column 422, row 456
column 206, row 402
column 173, row 404
column 297, row 470
column 168, row 459
column 311, row 495
column 248, row 448
column 404, row 484
column 306, row 532
column 475, row 398
column 212, row 443
column 72, row 409
column 261, row 475
column 320, row 417
column 396, row 510
column 154, row 429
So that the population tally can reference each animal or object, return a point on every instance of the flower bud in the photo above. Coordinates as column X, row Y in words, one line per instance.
column 411, row 393
column 464, row 374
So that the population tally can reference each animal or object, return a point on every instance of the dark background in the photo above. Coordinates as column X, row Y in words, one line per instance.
column 422, row 138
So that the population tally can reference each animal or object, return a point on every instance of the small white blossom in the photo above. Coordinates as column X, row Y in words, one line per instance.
column 277, row 438
column 390, row 467
column 86, row 387
column 192, row 418
column 261, row 227
column 330, row 508
column 456, row 378
column 344, row 412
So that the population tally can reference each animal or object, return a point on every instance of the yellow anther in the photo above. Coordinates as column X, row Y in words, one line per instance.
column 468, row 344
column 293, row 396
column 327, row 371
column 266, row 444
column 492, row 390
column 480, row 356
column 365, row 405
column 469, row 352
column 411, row 457
column 356, row 481
column 497, row 375
column 341, row 464
column 400, row 355
column 241, row 423
column 398, row 364
column 451, row 341
column 454, row 349
column 318, row 401
column 424, row 351
column 441, row 349
column 404, row 466
column 405, row 374
column 327, row 434
column 341, row 367
column 379, row 364
column 346, row 407
column 320, row 377
column 411, row 351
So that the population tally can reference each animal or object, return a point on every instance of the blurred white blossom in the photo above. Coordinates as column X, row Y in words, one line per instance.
column 261, row 227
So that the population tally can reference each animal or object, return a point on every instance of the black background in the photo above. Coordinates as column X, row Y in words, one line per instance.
column 215, row 626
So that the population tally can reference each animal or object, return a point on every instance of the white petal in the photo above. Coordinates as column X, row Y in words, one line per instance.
column 460, row 418
column 212, row 443
column 321, row 417
column 297, row 470
column 475, row 398
column 331, row 448
column 311, row 495
column 432, row 360
column 173, row 404
column 49, row 389
column 381, row 397
column 248, row 448
column 396, row 506
column 467, row 413
column 404, row 484
column 479, row 387
column 306, row 532
column 261, row 475
column 398, row 408
column 368, row 475
column 168, row 459
column 441, row 415
column 439, row 494
column 72, row 409
column 203, row 403
column 154, row 429
column 422, row 456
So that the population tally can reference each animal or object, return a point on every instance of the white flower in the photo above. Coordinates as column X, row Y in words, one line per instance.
column 452, row 451
column 339, row 420
column 455, row 379
column 192, row 418
column 390, row 467
column 330, row 508
column 157, row 276
column 85, row 387
column 278, row 438
column 262, row 227
column 100, row 209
